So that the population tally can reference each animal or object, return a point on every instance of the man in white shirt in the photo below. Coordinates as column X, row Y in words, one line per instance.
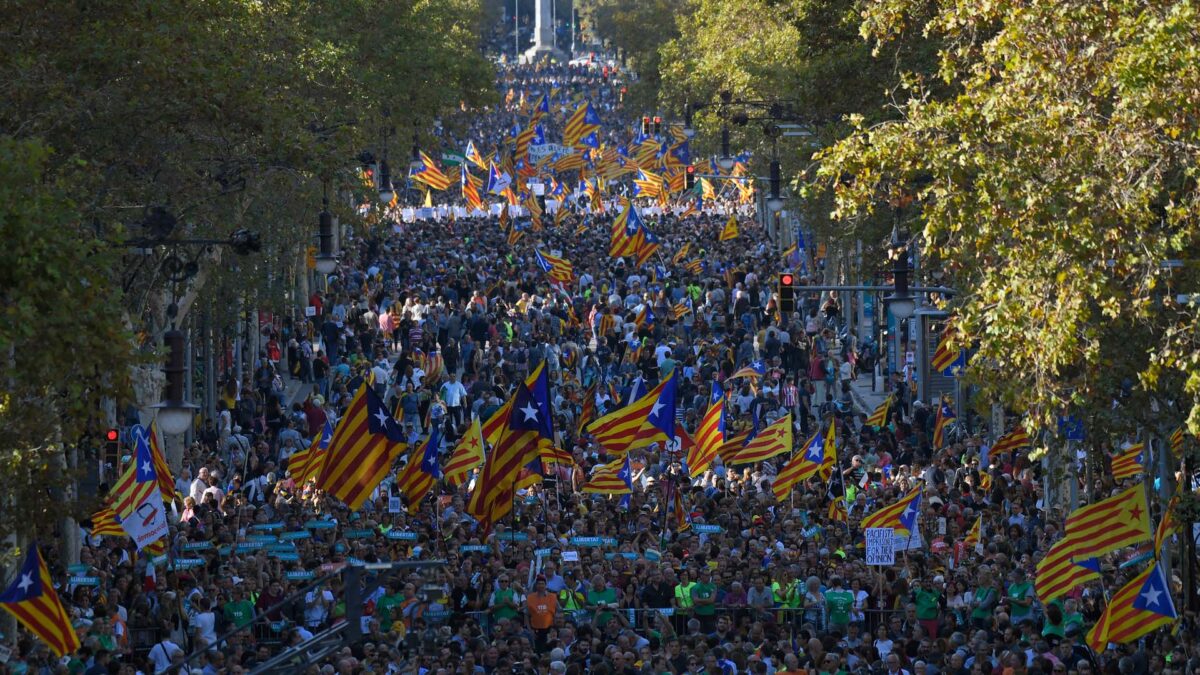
column 196, row 491
column 317, row 604
column 161, row 653
column 454, row 395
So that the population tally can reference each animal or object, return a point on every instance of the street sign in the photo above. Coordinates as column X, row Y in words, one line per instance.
column 1071, row 427
column 881, row 548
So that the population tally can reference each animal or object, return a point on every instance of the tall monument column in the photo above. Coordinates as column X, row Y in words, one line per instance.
column 543, row 34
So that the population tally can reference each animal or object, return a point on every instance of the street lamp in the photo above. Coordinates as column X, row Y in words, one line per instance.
column 725, row 161
column 326, row 258
column 775, row 198
column 386, row 194
column 174, row 414
column 900, row 302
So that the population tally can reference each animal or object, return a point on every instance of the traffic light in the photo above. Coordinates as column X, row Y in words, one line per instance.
column 689, row 177
column 645, row 126
column 787, row 293
column 112, row 446
column 657, row 125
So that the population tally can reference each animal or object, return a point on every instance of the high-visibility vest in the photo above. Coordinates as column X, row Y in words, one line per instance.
column 683, row 593
column 570, row 599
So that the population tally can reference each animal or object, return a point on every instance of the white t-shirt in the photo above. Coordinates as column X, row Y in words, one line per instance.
column 160, row 654
column 315, row 612
column 205, row 626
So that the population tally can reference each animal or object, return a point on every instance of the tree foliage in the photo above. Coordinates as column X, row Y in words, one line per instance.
column 229, row 113
column 1052, row 186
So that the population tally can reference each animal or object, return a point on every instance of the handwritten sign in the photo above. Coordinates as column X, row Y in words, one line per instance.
column 881, row 548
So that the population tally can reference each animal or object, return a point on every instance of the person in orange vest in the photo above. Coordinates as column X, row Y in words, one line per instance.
column 541, row 608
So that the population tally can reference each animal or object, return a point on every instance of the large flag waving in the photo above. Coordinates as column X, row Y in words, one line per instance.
column 419, row 475
column 32, row 600
column 1141, row 606
column 364, row 447
column 142, row 515
column 775, row 440
column 429, row 174
column 1119, row 521
column 1130, row 463
column 819, row 455
column 123, row 492
column 1061, row 571
column 901, row 516
column 647, row 420
column 467, row 455
column 614, row 478
column 528, row 426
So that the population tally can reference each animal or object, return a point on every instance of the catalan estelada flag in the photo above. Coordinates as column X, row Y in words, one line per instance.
column 558, row 269
column 364, row 446
column 944, row 358
column 473, row 156
column 1013, row 440
column 418, row 476
column 1167, row 525
column 127, row 493
column 901, row 516
column 945, row 414
column 614, row 478
column 105, row 524
column 32, row 600
column 1109, row 524
column 308, row 463
column 1141, row 606
column 467, row 455
column 527, row 426
column 878, row 419
column 818, row 455
column 730, row 231
column 1131, row 463
column 646, row 420
column 429, row 174
column 581, row 123
column 1060, row 571
column 772, row 441
column 680, row 310
column 710, row 437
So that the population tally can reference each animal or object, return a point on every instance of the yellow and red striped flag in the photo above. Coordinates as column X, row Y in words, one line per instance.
column 1130, row 463
column 364, row 446
column 1177, row 441
column 730, row 231
column 1061, row 570
column 467, row 455
column 1119, row 521
column 614, row 478
column 1167, row 525
column 973, row 535
column 817, row 457
column 126, row 495
column 417, row 477
column 710, row 436
column 1017, row 438
column 1140, row 607
column 774, row 440
column 878, row 419
column 429, row 174
column 901, row 516
column 104, row 524
column 32, row 600
column 647, row 420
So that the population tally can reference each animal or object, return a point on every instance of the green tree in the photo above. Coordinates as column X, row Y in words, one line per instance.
column 1051, row 186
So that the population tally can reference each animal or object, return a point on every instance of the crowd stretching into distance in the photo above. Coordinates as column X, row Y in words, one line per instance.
column 618, row 454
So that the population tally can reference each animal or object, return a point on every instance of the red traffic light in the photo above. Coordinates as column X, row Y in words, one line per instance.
column 786, row 279
column 657, row 119
column 691, row 168
column 112, row 435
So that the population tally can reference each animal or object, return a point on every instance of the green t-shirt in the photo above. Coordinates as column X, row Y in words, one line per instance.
column 1020, row 591
column 500, row 609
column 702, row 591
column 683, row 593
column 987, row 601
column 386, row 610
column 239, row 613
column 927, row 604
column 596, row 598
column 839, row 603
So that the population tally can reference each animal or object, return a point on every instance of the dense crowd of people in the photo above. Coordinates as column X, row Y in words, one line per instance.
column 443, row 319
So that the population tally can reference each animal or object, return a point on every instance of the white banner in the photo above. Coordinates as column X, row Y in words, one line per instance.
column 148, row 522
column 537, row 152
column 881, row 546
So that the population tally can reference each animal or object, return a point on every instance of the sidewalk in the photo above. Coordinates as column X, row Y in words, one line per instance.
column 866, row 400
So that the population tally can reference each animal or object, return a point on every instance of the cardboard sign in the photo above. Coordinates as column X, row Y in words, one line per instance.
column 881, row 549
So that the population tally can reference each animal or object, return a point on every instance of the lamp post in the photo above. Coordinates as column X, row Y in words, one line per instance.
column 326, row 257
column 174, row 415
column 725, row 161
column 900, row 302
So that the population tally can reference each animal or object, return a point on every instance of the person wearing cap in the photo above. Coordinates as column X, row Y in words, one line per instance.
column 541, row 610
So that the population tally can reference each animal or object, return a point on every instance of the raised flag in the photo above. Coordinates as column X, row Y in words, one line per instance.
column 695, row 267
column 774, row 440
column 647, row 247
column 1131, row 463
column 364, row 446
column 614, row 478
column 498, row 181
column 730, row 231
column 558, row 269
column 900, row 516
column 944, row 359
column 1167, row 525
column 1061, row 571
column 945, row 414
column 140, row 509
column 1177, row 441
column 422, row 471
column 1119, row 521
column 580, row 123
column 878, row 418
column 31, row 599
column 1141, row 606
column 754, row 370
column 467, row 455
column 105, row 523
column 680, row 310
column 470, row 191
column 648, row 419
column 1013, row 440
column 973, row 535
column 473, row 156
column 710, row 437
column 528, row 426
column 429, row 174
column 817, row 457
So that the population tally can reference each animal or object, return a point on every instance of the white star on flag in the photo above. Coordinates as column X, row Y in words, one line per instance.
column 382, row 417
column 657, row 406
column 1151, row 595
column 530, row 412
column 146, row 468
column 26, row 582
